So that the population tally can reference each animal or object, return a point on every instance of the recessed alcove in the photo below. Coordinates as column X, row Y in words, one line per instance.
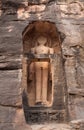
column 39, row 28
column 43, row 74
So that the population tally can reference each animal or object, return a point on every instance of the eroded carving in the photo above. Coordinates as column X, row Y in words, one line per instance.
column 43, row 74
column 48, row 116
column 41, row 69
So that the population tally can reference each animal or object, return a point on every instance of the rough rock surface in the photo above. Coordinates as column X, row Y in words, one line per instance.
column 53, row 126
column 77, row 124
column 68, row 15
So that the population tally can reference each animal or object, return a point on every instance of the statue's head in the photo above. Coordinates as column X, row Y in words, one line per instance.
column 42, row 40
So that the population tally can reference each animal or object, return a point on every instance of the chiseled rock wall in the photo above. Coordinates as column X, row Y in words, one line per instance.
column 68, row 15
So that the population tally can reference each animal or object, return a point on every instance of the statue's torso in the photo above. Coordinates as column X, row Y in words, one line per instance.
column 41, row 50
column 42, row 64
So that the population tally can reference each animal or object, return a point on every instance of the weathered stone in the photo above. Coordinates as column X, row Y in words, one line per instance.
column 76, row 107
column 48, row 126
column 10, row 90
column 11, row 114
column 22, row 126
column 9, row 45
column 49, row 75
column 77, row 124
column 14, row 126
column 68, row 16
column 12, row 118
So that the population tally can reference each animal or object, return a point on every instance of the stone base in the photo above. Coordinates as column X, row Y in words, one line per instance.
column 42, row 116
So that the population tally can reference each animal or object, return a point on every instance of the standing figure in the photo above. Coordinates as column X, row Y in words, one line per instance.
column 41, row 71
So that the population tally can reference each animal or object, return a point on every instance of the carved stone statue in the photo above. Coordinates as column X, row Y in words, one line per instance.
column 41, row 71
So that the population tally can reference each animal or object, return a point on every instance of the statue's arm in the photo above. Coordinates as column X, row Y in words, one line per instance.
column 30, row 76
column 31, row 72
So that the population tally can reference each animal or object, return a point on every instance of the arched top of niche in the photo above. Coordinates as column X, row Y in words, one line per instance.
column 37, row 29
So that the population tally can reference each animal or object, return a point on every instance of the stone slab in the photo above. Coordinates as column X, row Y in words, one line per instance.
column 10, row 87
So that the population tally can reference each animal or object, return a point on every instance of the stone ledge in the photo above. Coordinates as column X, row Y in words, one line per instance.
column 77, row 124
column 42, row 116
column 79, row 92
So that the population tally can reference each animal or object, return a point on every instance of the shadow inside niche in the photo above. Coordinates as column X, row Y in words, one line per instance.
column 25, row 103
column 62, row 36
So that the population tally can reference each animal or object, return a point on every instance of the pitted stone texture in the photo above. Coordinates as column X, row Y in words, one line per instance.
column 77, row 124
column 10, row 89
column 10, row 114
column 12, row 118
column 14, row 126
column 51, row 126
column 52, row 11
column 76, row 107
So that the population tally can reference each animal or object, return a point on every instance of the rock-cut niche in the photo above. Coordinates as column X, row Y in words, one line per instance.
column 41, row 45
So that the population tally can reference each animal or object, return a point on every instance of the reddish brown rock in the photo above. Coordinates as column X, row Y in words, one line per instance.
column 69, row 20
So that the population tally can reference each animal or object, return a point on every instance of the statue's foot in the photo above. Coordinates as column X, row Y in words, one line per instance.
column 45, row 103
column 38, row 103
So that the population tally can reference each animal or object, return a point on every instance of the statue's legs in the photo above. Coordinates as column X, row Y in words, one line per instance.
column 44, row 85
column 38, row 82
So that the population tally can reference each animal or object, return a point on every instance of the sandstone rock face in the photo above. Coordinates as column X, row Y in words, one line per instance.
column 68, row 16
column 54, row 126
column 77, row 124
